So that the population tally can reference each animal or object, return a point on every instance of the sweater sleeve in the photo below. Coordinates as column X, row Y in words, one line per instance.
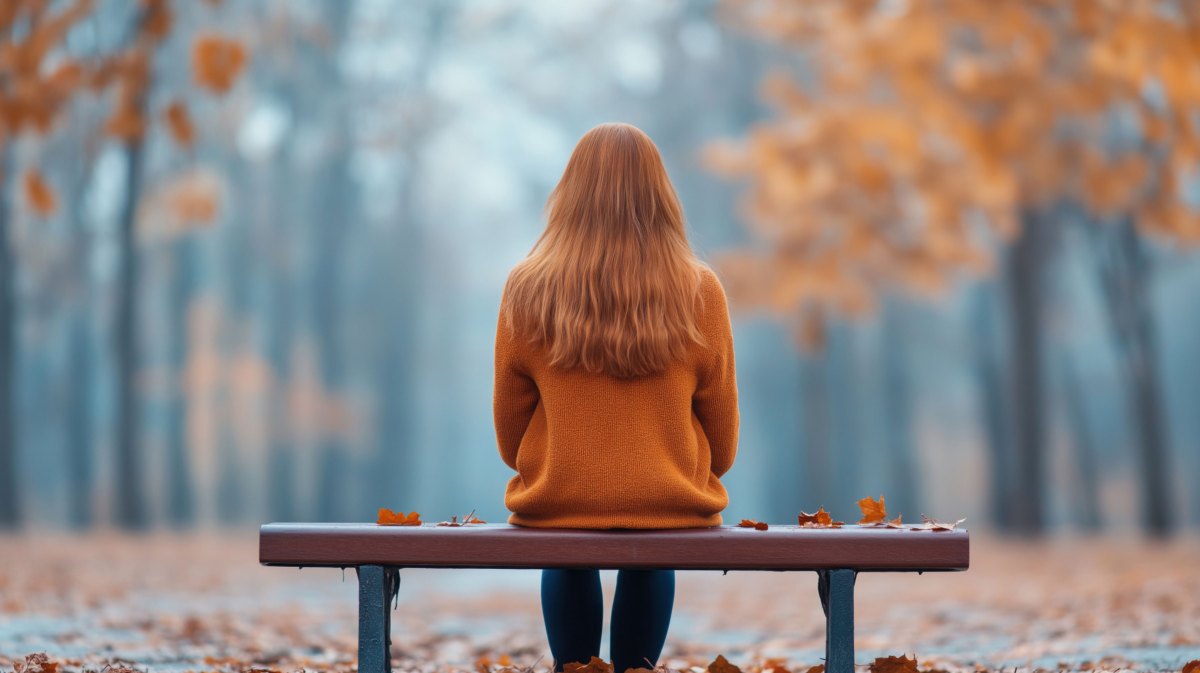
column 514, row 395
column 715, row 401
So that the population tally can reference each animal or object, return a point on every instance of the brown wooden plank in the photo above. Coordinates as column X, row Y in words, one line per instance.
column 718, row 548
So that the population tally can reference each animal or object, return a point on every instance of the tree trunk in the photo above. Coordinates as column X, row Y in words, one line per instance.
column 843, row 409
column 1026, row 265
column 898, row 392
column 815, row 417
column 78, row 419
column 130, row 510
column 336, row 215
column 10, row 501
column 993, row 406
column 1085, row 448
column 1124, row 277
column 180, row 493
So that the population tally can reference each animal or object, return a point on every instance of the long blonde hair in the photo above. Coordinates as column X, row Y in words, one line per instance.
column 612, row 284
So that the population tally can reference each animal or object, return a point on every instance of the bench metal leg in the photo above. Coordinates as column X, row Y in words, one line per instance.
column 376, row 586
column 836, row 588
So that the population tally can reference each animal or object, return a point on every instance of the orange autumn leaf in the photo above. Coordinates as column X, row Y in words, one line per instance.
column 1192, row 666
column 751, row 523
column 157, row 20
column 896, row 523
column 819, row 668
column 217, row 61
column 179, row 123
column 595, row 665
column 389, row 518
column 821, row 519
column 873, row 510
column 722, row 665
column 39, row 194
column 899, row 664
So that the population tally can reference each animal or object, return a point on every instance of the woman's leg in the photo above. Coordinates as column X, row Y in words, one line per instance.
column 573, row 608
column 641, row 615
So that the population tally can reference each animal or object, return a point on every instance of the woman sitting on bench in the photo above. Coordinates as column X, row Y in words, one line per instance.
column 615, row 395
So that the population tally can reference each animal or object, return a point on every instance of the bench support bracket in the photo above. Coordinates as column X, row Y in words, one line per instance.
column 376, row 586
column 836, row 588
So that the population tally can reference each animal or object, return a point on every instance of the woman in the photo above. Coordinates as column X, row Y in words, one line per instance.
column 615, row 396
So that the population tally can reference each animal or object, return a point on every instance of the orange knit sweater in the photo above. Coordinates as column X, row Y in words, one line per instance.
column 594, row 451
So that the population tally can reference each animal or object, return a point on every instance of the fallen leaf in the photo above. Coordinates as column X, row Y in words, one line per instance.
column 751, row 523
column 899, row 664
column 389, row 518
column 722, row 665
column 873, row 511
column 895, row 523
column 819, row 668
column 468, row 519
column 38, row 662
column 1192, row 666
column 821, row 519
column 936, row 526
column 594, row 665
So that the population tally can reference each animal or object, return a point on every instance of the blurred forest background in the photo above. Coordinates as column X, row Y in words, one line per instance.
column 251, row 251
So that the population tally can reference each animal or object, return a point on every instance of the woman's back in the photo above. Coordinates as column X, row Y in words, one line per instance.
column 593, row 450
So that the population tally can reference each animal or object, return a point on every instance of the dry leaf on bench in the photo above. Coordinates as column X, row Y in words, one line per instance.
column 821, row 519
column 873, row 511
column 468, row 519
column 936, row 526
column 389, row 518
column 751, row 523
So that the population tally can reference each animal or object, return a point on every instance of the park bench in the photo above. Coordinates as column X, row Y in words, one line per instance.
column 836, row 554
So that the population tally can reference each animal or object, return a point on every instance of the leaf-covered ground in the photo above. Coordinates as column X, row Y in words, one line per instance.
column 201, row 602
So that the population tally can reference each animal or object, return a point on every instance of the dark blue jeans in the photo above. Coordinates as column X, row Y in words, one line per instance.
column 573, row 608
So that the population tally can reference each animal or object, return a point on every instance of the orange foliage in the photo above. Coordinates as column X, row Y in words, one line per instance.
column 157, row 19
column 39, row 194
column 751, row 523
column 928, row 129
column 217, row 61
column 389, row 518
column 179, row 123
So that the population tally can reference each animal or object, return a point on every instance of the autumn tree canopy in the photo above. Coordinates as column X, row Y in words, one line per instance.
column 930, row 125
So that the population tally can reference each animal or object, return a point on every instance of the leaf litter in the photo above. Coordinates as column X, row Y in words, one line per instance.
column 199, row 602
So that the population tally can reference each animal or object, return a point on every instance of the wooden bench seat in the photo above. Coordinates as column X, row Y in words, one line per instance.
column 837, row 555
